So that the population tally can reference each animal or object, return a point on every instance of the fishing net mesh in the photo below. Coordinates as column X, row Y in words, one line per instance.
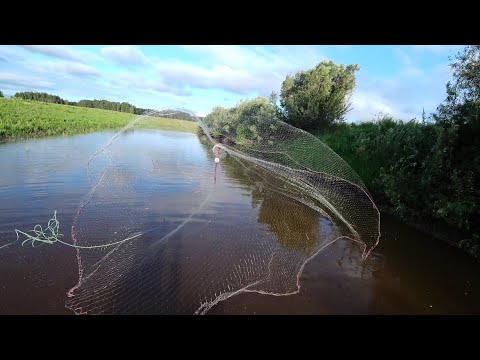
column 141, row 249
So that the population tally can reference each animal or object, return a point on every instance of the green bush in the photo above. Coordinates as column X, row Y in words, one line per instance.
column 243, row 123
column 423, row 171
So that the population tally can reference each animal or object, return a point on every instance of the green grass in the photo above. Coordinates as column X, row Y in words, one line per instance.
column 25, row 119
column 151, row 122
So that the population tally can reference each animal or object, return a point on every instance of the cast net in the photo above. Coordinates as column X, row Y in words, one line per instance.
column 157, row 238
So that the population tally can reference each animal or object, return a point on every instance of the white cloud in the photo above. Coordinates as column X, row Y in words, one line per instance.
column 12, row 54
column 403, row 95
column 58, row 51
column 125, row 54
column 241, row 70
column 366, row 105
column 65, row 67
column 412, row 71
column 20, row 81
column 141, row 83
column 277, row 61
column 401, row 53
column 234, row 55
column 180, row 75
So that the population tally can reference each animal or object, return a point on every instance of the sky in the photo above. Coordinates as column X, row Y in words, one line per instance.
column 400, row 80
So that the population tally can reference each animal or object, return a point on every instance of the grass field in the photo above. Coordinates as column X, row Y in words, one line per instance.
column 24, row 119
column 152, row 122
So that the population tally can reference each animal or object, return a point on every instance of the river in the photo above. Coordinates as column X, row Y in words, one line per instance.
column 216, row 226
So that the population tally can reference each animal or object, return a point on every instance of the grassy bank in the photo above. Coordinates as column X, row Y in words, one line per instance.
column 24, row 119
column 424, row 174
column 151, row 122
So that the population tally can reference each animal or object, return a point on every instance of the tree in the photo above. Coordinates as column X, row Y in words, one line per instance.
column 455, row 165
column 1, row 94
column 318, row 97
column 466, row 71
column 273, row 98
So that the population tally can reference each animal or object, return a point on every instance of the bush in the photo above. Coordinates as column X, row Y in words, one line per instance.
column 243, row 123
column 424, row 172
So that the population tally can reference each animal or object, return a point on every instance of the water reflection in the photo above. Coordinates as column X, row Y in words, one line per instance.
column 202, row 254
column 295, row 225
column 408, row 273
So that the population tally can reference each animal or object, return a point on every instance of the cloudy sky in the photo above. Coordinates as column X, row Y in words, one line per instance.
column 398, row 80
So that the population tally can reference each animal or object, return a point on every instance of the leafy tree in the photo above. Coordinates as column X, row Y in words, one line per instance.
column 37, row 96
column 273, row 98
column 436, row 173
column 1, row 94
column 464, row 92
column 467, row 73
column 318, row 97
column 456, row 163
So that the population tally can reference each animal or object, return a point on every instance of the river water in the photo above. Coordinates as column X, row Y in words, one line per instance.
column 407, row 273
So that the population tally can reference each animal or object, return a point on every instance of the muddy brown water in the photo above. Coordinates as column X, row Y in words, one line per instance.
column 408, row 273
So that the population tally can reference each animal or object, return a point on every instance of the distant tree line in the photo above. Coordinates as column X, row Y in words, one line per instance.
column 38, row 96
column 1, row 94
column 97, row 104
column 108, row 105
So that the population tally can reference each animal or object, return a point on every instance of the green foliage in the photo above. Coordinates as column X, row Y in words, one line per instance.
column 366, row 146
column 161, row 123
column 108, row 105
column 20, row 119
column 423, row 171
column 243, row 123
column 318, row 97
column 37, row 96
column 97, row 104
column 466, row 71
column 457, row 157
column 428, row 170
column 1, row 94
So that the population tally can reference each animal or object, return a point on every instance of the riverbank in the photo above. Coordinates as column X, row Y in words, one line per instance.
column 398, row 162
column 20, row 119
column 405, row 167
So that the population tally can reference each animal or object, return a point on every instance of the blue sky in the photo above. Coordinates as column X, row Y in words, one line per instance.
column 396, row 80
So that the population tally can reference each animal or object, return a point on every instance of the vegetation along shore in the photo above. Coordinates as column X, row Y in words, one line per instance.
column 424, row 171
